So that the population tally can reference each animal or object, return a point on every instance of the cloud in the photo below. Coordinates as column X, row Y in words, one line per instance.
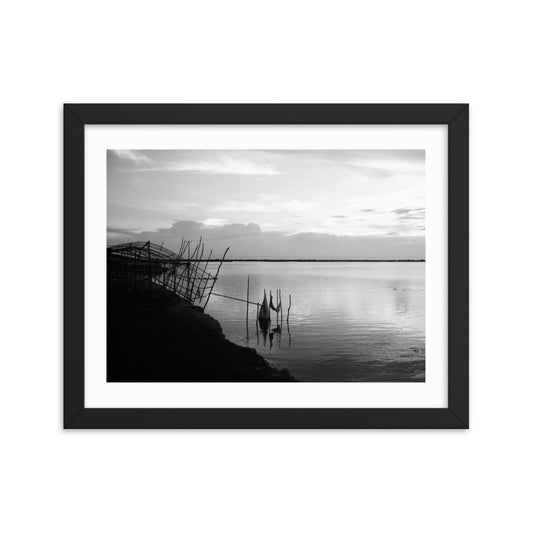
column 122, row 232
column 410, row 219
column 373, row 172
column 388, row 163
column 249, row 207
column 377, row 164
column 296, row 205
column 248, row 241
column 382, row 170
column 407, row 213
column 334, row 192
column 405, row 210
column 215, row 221
column 132, row 155
column 220, row 164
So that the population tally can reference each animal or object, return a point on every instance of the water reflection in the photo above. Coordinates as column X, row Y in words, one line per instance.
column 353, row 321
column 267, row 331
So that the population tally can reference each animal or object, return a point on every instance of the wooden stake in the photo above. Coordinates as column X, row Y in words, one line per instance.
column 281, row 306
column 247, row 303
column 149, row 270
column 277, row 307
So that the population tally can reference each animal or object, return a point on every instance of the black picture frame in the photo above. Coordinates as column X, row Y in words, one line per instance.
column 455, row 116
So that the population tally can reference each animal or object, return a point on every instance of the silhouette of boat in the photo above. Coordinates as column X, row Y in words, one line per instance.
column 264, row 310
column 264, row 315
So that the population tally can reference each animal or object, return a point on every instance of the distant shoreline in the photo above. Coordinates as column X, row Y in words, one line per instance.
column 322, row 260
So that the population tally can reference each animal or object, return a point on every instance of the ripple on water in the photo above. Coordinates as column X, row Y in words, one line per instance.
column 348, row 321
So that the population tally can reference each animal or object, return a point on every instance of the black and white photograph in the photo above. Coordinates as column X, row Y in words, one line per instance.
column 266, row 265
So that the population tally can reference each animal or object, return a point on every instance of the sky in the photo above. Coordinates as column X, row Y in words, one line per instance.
column 271, row 204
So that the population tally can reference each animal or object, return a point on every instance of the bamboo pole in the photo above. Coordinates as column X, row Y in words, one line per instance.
column 149, row 271
column 289, row 309
column 233, row 298
column 195, row 265
column 188, row 269
column 206, row 274
column 216, row 276
column 247, row 304
column 257, row 323
column 277, row 307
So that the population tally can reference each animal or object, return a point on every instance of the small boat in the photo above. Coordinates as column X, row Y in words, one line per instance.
column 264, row 310
column 264, row 317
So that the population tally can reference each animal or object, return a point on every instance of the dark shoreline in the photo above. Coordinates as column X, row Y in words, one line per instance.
column 154, row 336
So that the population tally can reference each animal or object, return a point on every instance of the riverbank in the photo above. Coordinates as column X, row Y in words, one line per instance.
column 160, row 337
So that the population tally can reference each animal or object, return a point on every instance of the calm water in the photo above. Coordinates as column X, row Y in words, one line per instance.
column 348, row 321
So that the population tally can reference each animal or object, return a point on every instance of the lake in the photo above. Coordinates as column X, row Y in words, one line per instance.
column 349, row 321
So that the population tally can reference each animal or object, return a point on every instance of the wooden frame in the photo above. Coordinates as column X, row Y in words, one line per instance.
column 455, row 116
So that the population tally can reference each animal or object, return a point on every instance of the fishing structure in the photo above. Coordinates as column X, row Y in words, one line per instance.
column 263, row 320
column 184, row 273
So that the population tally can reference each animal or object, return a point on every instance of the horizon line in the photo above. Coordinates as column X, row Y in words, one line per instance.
column 324, row 260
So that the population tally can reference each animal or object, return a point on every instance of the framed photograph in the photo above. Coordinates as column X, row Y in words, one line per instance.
column 266, row 266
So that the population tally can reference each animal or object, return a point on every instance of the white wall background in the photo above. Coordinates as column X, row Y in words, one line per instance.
column 276, row 51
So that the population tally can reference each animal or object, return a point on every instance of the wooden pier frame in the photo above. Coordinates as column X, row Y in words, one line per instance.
column 183, row 273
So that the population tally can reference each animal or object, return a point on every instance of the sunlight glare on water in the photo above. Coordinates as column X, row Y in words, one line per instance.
column 349, row 321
